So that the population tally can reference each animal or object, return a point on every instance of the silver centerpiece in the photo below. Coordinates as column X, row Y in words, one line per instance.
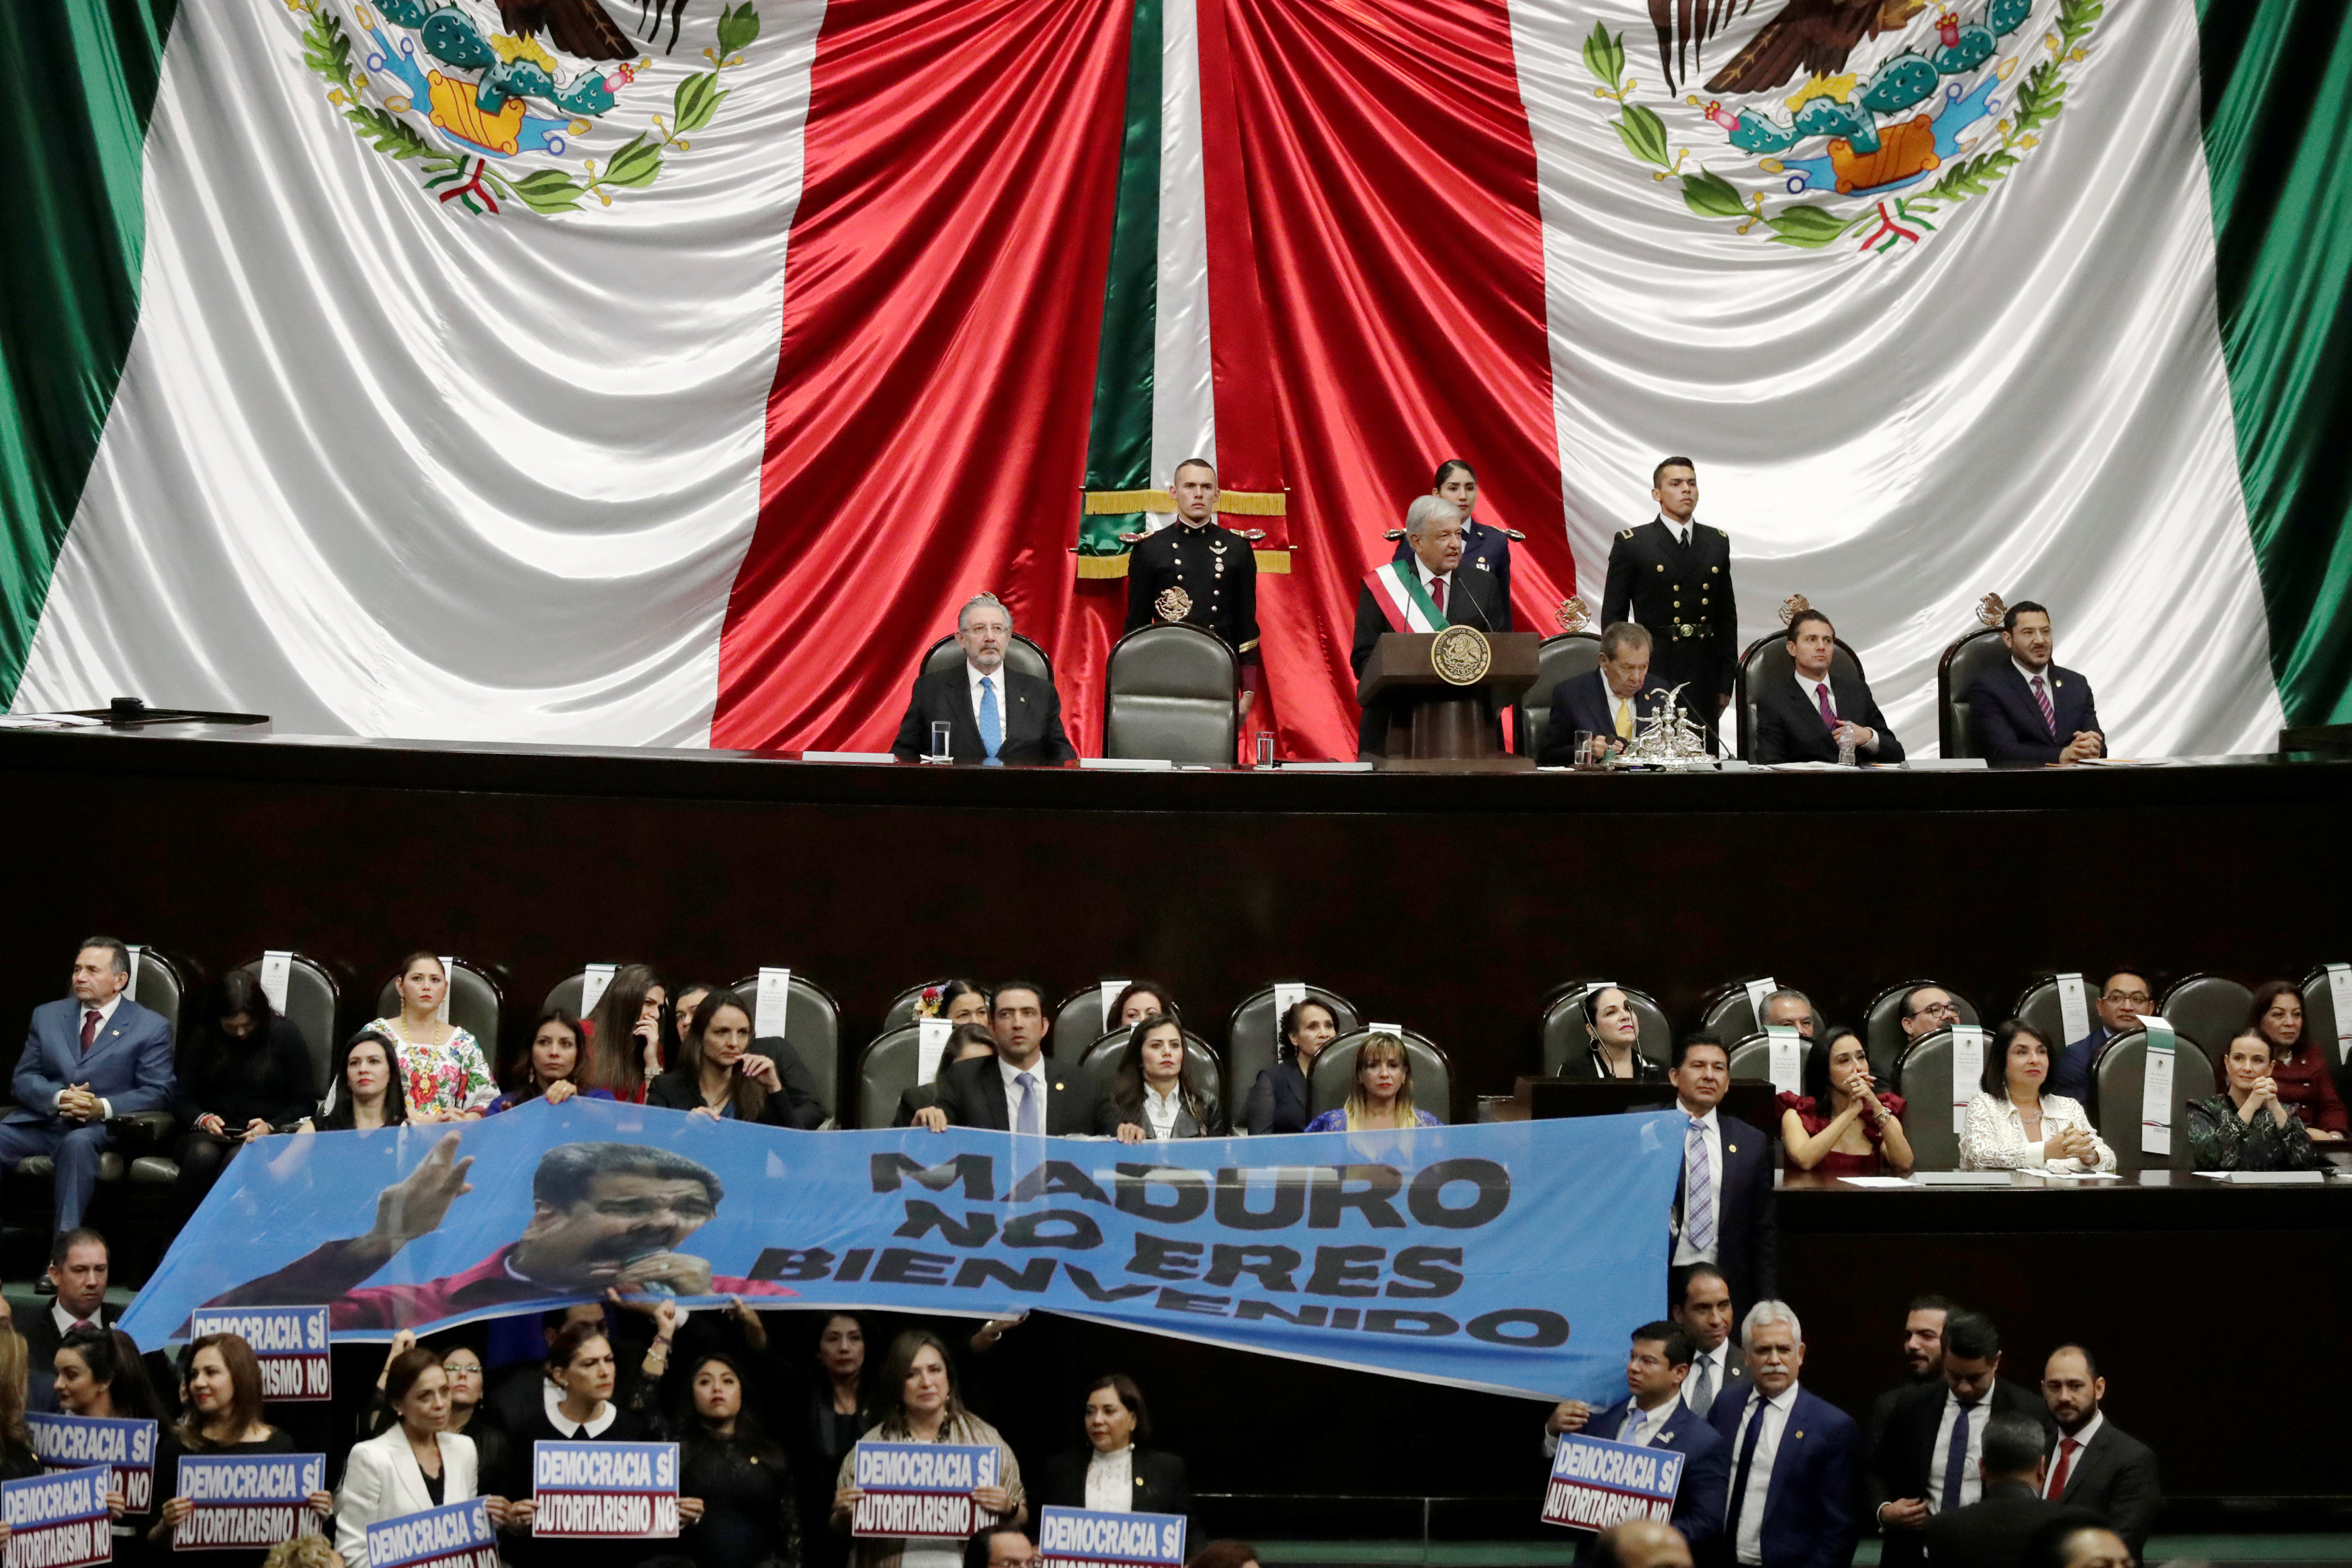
column 1666, row 738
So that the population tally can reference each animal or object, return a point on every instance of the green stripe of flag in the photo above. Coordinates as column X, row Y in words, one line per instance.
column 78, row 81
column 1119, row 442
column 2278, row 93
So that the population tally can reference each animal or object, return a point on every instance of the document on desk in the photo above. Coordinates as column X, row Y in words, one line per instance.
column 1878, row 1181
column 2268, row 1178
column 1964, row 1178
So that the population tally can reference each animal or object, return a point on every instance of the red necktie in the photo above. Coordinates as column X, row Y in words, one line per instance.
column 2066, row 1462
column 1828, row 716
column 88, row 1029
column 1437, row 593
column 2049, row 714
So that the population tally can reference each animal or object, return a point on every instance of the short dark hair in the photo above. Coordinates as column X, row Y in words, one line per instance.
column 1691, row 1043
column 1223, row 1554
column 121, row 949
column 1590, row 1003
column 965, row 1034
column 1675, row 1338
column 2050, row 1544
column 950, row 991
column 1797, row 621
column 2013, row 1444
column 2134, row 970
column 2090, row 1361
column 568, row 1172
column 1932, row 1303
column 1294, row 1016
column 1192, row 462
column 1120, row 1384
column 406, row 1369
column 1445, row 471
column 1620, row 632
column 1994, row 1079
column 996, row 993
column 981, row 1545
column 567, row 1344
column 1970, row 1336
column 2022, row 607
column 1658, row 474
column 1153, row 989
column 1679, row 1278
column 80, row 1236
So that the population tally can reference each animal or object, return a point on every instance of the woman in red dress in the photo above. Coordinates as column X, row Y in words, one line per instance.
column 2306, row 1086
column 1842, row 1125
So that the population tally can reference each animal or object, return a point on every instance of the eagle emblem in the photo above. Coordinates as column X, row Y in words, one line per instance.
column 1173, row 604
column 1838, row 122
column 536, row 104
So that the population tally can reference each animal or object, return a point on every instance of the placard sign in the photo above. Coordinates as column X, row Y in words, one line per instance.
column 2339, row 992
column 1596, row 1483
column 126, row 1448
column 921, row 1489
column 457, row 1536
column 2156, row 1086
column 769, row 1002
column 290, row 1342
column 595, row 981
column 931, row 1037
column 247, row 1499
column 449, row 985
column 1080, row 1538
column 1757, row 992
column 1968, row 1068
column 2074, row 1008
column 594, row 1491
column 1109, row 990
column 57, row 1521
column 1287, row 994
column 1785, row 1051
column 277, row 972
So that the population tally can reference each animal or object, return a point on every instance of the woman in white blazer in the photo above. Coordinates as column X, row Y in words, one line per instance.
column 415, row 1465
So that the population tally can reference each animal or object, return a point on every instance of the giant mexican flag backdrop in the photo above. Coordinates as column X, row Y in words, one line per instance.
column 667, row 372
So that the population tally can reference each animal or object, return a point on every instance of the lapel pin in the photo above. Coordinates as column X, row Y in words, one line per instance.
column 1732, row 1148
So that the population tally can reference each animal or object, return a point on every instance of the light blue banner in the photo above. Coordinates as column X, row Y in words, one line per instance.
column 1515, row 1256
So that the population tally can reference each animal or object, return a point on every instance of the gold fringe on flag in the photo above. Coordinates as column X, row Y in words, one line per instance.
column 1097, row 566
column 1231, row 503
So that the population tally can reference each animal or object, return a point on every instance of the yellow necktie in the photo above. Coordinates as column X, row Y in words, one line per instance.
column 1624, row 719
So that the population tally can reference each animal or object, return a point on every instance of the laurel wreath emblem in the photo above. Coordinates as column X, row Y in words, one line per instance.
column 479, row 180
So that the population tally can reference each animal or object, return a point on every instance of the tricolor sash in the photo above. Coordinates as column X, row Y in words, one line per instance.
column 1397, row 590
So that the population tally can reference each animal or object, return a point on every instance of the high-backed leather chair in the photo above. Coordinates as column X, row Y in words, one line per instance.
column 1335, row 1075
column 2319, row 1026
column 1021, row 656
column 2039, row 1007
column 886, row 1069
column 476, row 1001
column 1729, row 1015
column 902, row 1007
column 1078, row 1023
column 1170, row 691
column 1563, row 1026
column 1253, row 1040
column 1923, row 1076
column 1751, row 1056
column 1882, row 1024
column 813, row 1029
column 1557, row 659
column 2210, row 1010
column 1963, row 662
column 314, row 1001
column 1201, row 1062
column 2121, row 1074
column 1767, row 660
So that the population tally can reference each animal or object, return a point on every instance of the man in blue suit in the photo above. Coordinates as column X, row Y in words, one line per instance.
column 1653, row 1415
column 1790, row 1501
column 2027, row 709
column 1610, row 703
column 92, row 1055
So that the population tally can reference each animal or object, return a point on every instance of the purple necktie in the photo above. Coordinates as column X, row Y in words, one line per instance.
column 1829, row 716
column 2049, row 714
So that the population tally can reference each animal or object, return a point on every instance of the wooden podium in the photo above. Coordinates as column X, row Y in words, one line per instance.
column 1435, row 726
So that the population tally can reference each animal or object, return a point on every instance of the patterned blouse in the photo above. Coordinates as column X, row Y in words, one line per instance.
column 2221, row 1140
column 1336, row 1120
column 451, row 1076
column 1994, row 1137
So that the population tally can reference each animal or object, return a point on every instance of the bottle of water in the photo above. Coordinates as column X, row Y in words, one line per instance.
column 1845, row 747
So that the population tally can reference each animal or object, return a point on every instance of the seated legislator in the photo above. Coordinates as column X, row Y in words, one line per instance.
column 1154, row 1091
column 1121, row 1473
column 1138, row 1000
column 919, row 1405
column 367, row 1093
column 551, row 1071
column 2244, row 1127
column 414, row 1464
column 2028, row 709
column 2013, row 1125
column 970, row 1042
column 1841, row 1126
column 2122, row 1002
column 1925, row 1009
column 447, row 1077
column 2306, row 1086
column 625, row 1040
column 1794, row 1458
column 1607, row 705
column 723, row 1074
column 91, row 1056
column 1789, row 1008
column 1017, row 1090
column 1277, row 1102
column 1993, row 1531
column 1653, row 1416
column 1614, row 1035
column 1427, row 594
column 246, row 1073
column 993, row 715
column 1382, row 1097
column 1801, row 720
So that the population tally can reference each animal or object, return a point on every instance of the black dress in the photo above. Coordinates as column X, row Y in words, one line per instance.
column 751, row 1512
column 239, row 1080
column 628, row 1426
column 167, row 1487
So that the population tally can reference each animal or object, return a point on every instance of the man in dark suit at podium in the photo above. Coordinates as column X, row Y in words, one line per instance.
column 2027, row 709
column 1609, row 705
column 1426, row 593
column 1804, row 719
column 994, row 714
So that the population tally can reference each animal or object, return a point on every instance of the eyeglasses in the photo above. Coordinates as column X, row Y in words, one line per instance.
column 1941, row 1010
column 2135, row 998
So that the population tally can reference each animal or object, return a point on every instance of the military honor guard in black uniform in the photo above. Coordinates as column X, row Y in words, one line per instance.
column 1485, row 549
column 1673, row 576
column 1197, row 571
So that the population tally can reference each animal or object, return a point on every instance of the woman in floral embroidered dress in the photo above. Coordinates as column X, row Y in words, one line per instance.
column 442, row 1066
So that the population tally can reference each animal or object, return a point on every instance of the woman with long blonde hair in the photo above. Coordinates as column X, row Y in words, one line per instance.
column 1381, row 1100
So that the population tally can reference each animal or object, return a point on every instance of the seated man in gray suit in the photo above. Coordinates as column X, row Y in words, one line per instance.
column 91, row 1056
column 995, row 716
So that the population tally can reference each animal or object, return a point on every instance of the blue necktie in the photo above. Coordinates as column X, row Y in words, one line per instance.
column 1025, row 1119
column 991, row 723
column 1739, row 1477
column 1955, row 1459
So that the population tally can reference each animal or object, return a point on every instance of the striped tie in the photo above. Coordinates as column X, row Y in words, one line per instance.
column 2049, row 714
column 1699, row 1190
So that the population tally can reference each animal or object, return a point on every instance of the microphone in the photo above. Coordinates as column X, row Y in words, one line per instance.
column 1473, row 602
